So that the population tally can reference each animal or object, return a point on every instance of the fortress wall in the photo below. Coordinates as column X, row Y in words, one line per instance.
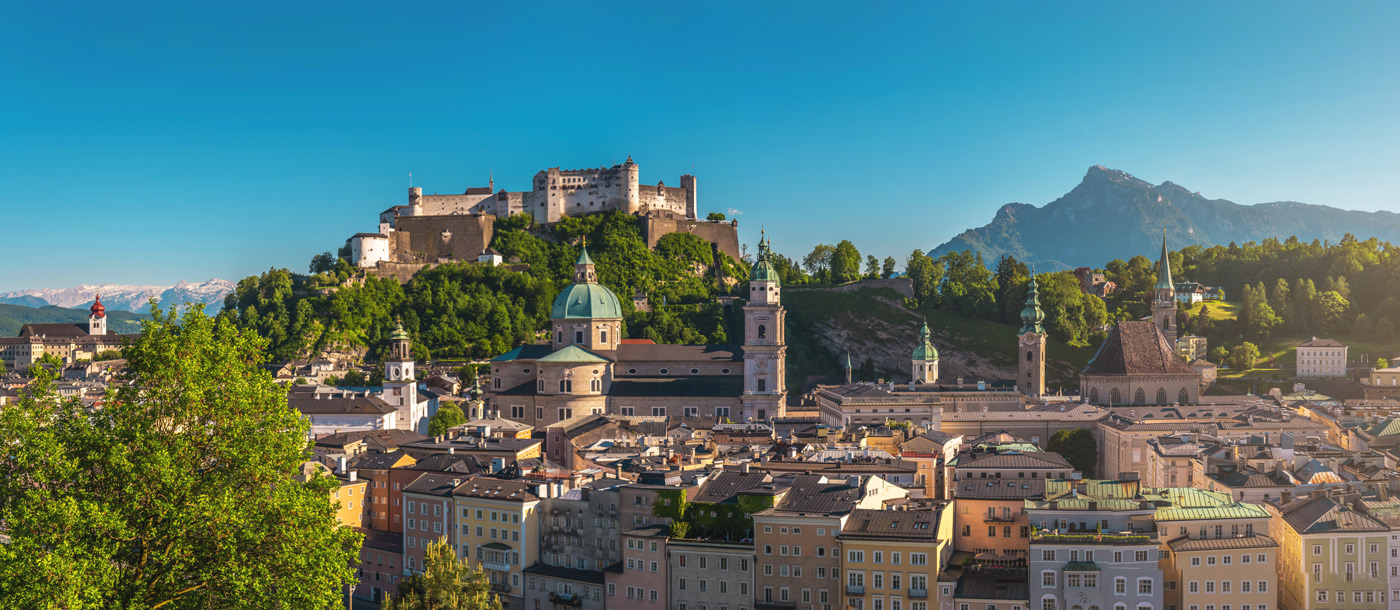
column 663, row 199
column 429, row 239
column 725, row 235
column 447, row 205
column 902, row 285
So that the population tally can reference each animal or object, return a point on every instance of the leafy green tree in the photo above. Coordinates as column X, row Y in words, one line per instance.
column 968, row 287
column 108, row 354
column 872, row 267
column 1078, row 447
column 818, row 262
column 1330, row 310
column 1382, row 363
column 887, row 271
column 1070, row 313
column 1012, row 279
column 845, row 263
column 1244, row 356
column 448, row 416
column 715, row 216
column 1219, row 354
column 446, row 583
column 353, row 379
column 924, row 276
column 1385, row 329
column 179, row 493
column 323, row 263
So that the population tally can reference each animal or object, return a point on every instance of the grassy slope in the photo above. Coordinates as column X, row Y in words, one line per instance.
column 820, row 323
column 12, row 317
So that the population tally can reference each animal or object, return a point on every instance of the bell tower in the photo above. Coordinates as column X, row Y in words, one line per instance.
column 1031, row 342
column 400, row 386
column 765, row 343
column 924, row 368
column 1164, row 297
column 97, row 317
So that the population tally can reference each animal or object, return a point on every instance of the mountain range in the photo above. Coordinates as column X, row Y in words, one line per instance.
column 1112, row 214
column 124, row 296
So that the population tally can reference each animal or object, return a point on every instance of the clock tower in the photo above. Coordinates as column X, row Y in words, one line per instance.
column 765, row 344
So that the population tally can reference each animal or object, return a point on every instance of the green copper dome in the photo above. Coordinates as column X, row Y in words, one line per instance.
column 399, row 332
column 585, row 301
column 763, row 270
column 1032, row 316
column 925, row 350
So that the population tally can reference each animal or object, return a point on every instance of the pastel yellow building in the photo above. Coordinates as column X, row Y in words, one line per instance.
column 1330, row 555
column 498, row 529
column 890, row 559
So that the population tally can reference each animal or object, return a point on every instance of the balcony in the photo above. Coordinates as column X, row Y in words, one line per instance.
column 995, row 518
column 855, row 589
column 565, row 599
column 918, row 593
column 500, row 587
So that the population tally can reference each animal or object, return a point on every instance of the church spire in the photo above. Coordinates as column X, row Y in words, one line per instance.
column 1164, row 267
column 1032, row 316
column 584, row 270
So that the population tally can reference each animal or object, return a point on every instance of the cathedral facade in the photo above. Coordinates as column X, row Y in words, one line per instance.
column 587, row 367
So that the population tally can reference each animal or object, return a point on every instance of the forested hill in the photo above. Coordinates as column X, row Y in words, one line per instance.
column 12, row 317
column 1112, row 214
column 466, row 310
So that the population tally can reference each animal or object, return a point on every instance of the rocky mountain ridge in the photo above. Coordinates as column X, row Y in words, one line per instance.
column 124, row 296
column 1113, row 214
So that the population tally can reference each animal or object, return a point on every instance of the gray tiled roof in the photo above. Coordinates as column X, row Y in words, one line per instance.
column 912, row 525
column 1221, row 544
column 999, row 489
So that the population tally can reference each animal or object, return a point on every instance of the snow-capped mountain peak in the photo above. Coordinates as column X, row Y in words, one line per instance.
column 126, row 296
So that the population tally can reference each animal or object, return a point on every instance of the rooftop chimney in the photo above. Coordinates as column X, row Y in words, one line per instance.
column 341, row 468
column 354, row 476
column 853, row 481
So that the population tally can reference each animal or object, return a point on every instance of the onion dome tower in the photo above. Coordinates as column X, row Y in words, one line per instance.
column 925, row 359
column 1031, row 344
column 765, row 343
column 97, row 317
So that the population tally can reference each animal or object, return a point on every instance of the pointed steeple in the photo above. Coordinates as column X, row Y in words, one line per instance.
column 763, row 270
column 1032, row 316
column 848, row 368
column 1164, row 267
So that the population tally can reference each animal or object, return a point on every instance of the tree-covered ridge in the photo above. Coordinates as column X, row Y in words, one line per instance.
column 467, row 310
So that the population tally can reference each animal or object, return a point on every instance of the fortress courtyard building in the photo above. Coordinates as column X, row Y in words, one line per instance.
column 588, row 368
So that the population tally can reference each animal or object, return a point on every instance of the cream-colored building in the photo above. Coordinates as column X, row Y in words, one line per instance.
column 1126, row 432
column 1322, row 358
column 1330, row 555
column 890, row 559
column 1215, row 552
column 498, row 530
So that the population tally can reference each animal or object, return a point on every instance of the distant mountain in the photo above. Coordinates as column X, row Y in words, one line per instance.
column 123, row 296
column 1112, row 215
column 14, row 316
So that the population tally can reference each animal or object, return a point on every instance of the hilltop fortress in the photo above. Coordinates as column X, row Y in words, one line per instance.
column 458, row 227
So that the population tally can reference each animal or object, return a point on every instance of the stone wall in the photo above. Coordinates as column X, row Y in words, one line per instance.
column 724, row 235
column 434, row 239
column 902, row 285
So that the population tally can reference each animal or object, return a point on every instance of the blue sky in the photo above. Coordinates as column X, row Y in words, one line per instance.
column 154, row 143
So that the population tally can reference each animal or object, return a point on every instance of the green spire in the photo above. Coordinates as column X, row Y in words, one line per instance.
column 848, row 361
column 763, row 270
column 925, row 350
column 583, row 258
column 1164, row 268
column 1032, row 316
column 399, row 332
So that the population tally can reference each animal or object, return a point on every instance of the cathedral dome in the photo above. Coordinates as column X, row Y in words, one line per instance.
column 586, row 301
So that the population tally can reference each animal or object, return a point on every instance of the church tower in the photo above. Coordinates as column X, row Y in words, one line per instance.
column 400, row 387
column 97, row 318
column 765, row 346
column 1031, row 340
column 1164, row 297
column 925, row 360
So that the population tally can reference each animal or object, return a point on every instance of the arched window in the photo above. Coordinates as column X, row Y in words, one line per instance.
column 1114, row 397
column 1030, row 356
column 1093, row 396
column 1139, row 397
column 1161, row 396
column 597, row 385
column 762, row 331
column 1183, row 397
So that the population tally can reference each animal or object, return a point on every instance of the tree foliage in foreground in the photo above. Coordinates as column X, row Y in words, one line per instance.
column 446, row 583
column 178, row 492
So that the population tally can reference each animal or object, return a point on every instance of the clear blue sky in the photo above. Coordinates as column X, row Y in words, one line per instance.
column 145, row 143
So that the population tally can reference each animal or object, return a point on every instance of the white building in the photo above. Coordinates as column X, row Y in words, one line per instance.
column 1322, row 358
